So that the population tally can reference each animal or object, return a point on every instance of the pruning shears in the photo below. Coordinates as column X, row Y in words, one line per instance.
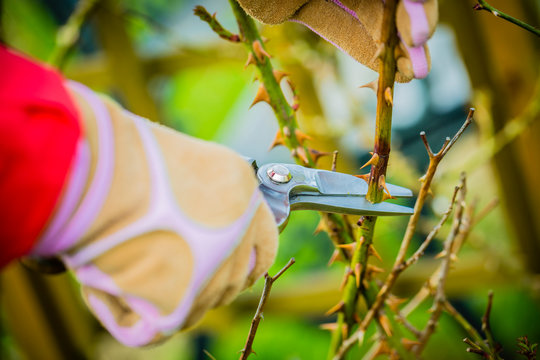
column 289, row 187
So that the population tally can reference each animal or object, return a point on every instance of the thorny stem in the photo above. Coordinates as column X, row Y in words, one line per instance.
column 483, row 5
column 288, row 135
column 268, row 282
column 284, row 112
column 376, row 182
column 68, row 35
column 385, row 93
column 435, row 159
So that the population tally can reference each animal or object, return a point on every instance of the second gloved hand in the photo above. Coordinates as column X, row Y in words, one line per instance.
column 354, row 26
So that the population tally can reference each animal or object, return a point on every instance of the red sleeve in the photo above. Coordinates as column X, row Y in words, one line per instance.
column 39, row 129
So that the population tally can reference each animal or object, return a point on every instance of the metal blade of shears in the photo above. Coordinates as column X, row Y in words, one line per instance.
column 289, row 187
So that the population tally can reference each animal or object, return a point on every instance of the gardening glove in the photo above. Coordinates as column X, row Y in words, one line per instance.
column 354, row 26
column 158, row 227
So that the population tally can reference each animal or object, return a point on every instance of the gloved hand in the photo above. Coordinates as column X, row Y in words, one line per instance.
column 157, row 227
column 354, row 26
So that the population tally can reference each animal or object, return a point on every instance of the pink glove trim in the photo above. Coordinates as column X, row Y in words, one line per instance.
column 418, row 21
column 93, row 200
column 47, row 245
column 91, row 276
column 351, row 12
column 209, row 246
column 419, row 61
column 137, row 335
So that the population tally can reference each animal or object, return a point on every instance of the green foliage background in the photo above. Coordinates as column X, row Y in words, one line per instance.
column 203, row 101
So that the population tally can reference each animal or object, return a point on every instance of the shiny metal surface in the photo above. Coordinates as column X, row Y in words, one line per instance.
column 279, row 174
column 289, row 187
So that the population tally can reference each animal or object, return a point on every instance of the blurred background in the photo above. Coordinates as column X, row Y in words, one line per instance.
column 160, row 61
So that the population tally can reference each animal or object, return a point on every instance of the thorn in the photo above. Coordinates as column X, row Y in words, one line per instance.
column 388, row 96
column 357, row 271
column 440, row 255
column 394, row 302
column 286, row 131
column 291, row 85
column 373, row 161
column 373, row 85
column 262, row 95
column 336, row 256
column 250, row 60
column 321, row 226
column 387, row 197
column 295, row 106
column 378, row 53
column 366, row 284
column 408, row 343
column 334, row 309
column 372, row 269
column 301, row 154
column 382, row 184
column 356, row 318
column 382, row 349
column 372, row 251
column 422, row 178
column 348, row 272
column 348, row 247
column 260, row 53
column 364, row 177
column 278, row 140
column 279, row 75
column 329, row 326
column 316, row 155
column 453, row 257
column 361, row 240
column 385, row 323
column 345, row 331
column 301, row 136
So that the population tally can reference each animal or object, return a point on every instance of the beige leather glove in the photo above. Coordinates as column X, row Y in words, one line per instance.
column 354, row 26
column 157, row 226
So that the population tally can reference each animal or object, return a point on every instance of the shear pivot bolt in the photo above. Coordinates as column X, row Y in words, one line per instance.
column 279, row 174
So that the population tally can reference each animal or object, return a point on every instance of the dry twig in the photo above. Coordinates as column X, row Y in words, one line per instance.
column 440, row 297
column 483, row 5
column 268, row 282
column 420, row 252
